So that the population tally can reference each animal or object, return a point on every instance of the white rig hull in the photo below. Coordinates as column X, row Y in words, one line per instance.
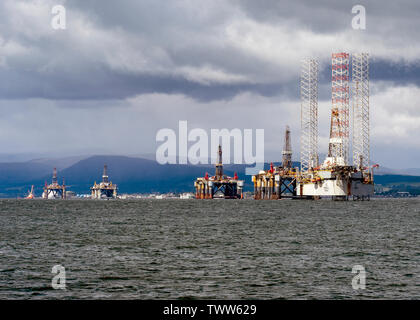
column 335, row 188
column 330, row 186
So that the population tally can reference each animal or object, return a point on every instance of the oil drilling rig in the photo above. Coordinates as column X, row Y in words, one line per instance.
column 336, row 177
column 31, row 194
column 277, row 182
column 219, row 185
column 105, row 189
column 54, row 190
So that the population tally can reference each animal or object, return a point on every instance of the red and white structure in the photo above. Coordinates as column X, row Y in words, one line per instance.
column 338, row 150
column 336, row 177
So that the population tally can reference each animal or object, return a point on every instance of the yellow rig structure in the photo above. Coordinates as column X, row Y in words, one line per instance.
column 54, row 190
column 105, row 189
column 220, row 185
column 278, row 182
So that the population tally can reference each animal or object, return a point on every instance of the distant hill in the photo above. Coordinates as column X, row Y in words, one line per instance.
column 60, row 163
column 396, row 179
column 22, row 172
column 131, row 174
column 15, row 177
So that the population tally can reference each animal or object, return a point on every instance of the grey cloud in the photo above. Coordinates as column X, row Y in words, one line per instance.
column 171, row 37
column 203, row 60
column 331, row 16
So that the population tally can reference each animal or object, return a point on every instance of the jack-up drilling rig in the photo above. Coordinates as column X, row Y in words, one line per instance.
column 335, row 177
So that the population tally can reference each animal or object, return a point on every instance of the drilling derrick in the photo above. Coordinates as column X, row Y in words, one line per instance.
column 277, row 182
column 54, row 178
column 360, row 97
column 287, row 150
column 54, row 190
column 309, row 114
column 219, row 185
column 219, row 165
column 105, row 174
column 106, row 189
column 339, row 130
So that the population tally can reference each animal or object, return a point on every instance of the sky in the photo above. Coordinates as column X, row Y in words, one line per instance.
column 123, row 70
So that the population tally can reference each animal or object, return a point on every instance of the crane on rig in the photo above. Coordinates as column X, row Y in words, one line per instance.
column 30, row 193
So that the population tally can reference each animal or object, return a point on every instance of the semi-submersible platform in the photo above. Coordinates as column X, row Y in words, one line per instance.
column 54, row 190
column 103, row 190
column 334, row 177
column 219, row 185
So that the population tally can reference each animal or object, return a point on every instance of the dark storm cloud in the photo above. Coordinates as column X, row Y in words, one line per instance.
column 78, row 75
column 106, row 84
column 131, row 68
column 114, row 50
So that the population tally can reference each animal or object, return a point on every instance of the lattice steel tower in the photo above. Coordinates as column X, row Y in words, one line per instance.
column 339, row 131
column 309, row 114
column 105, row 174
column 360, row 99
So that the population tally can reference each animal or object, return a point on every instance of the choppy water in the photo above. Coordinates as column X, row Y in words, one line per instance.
column 236, row 249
